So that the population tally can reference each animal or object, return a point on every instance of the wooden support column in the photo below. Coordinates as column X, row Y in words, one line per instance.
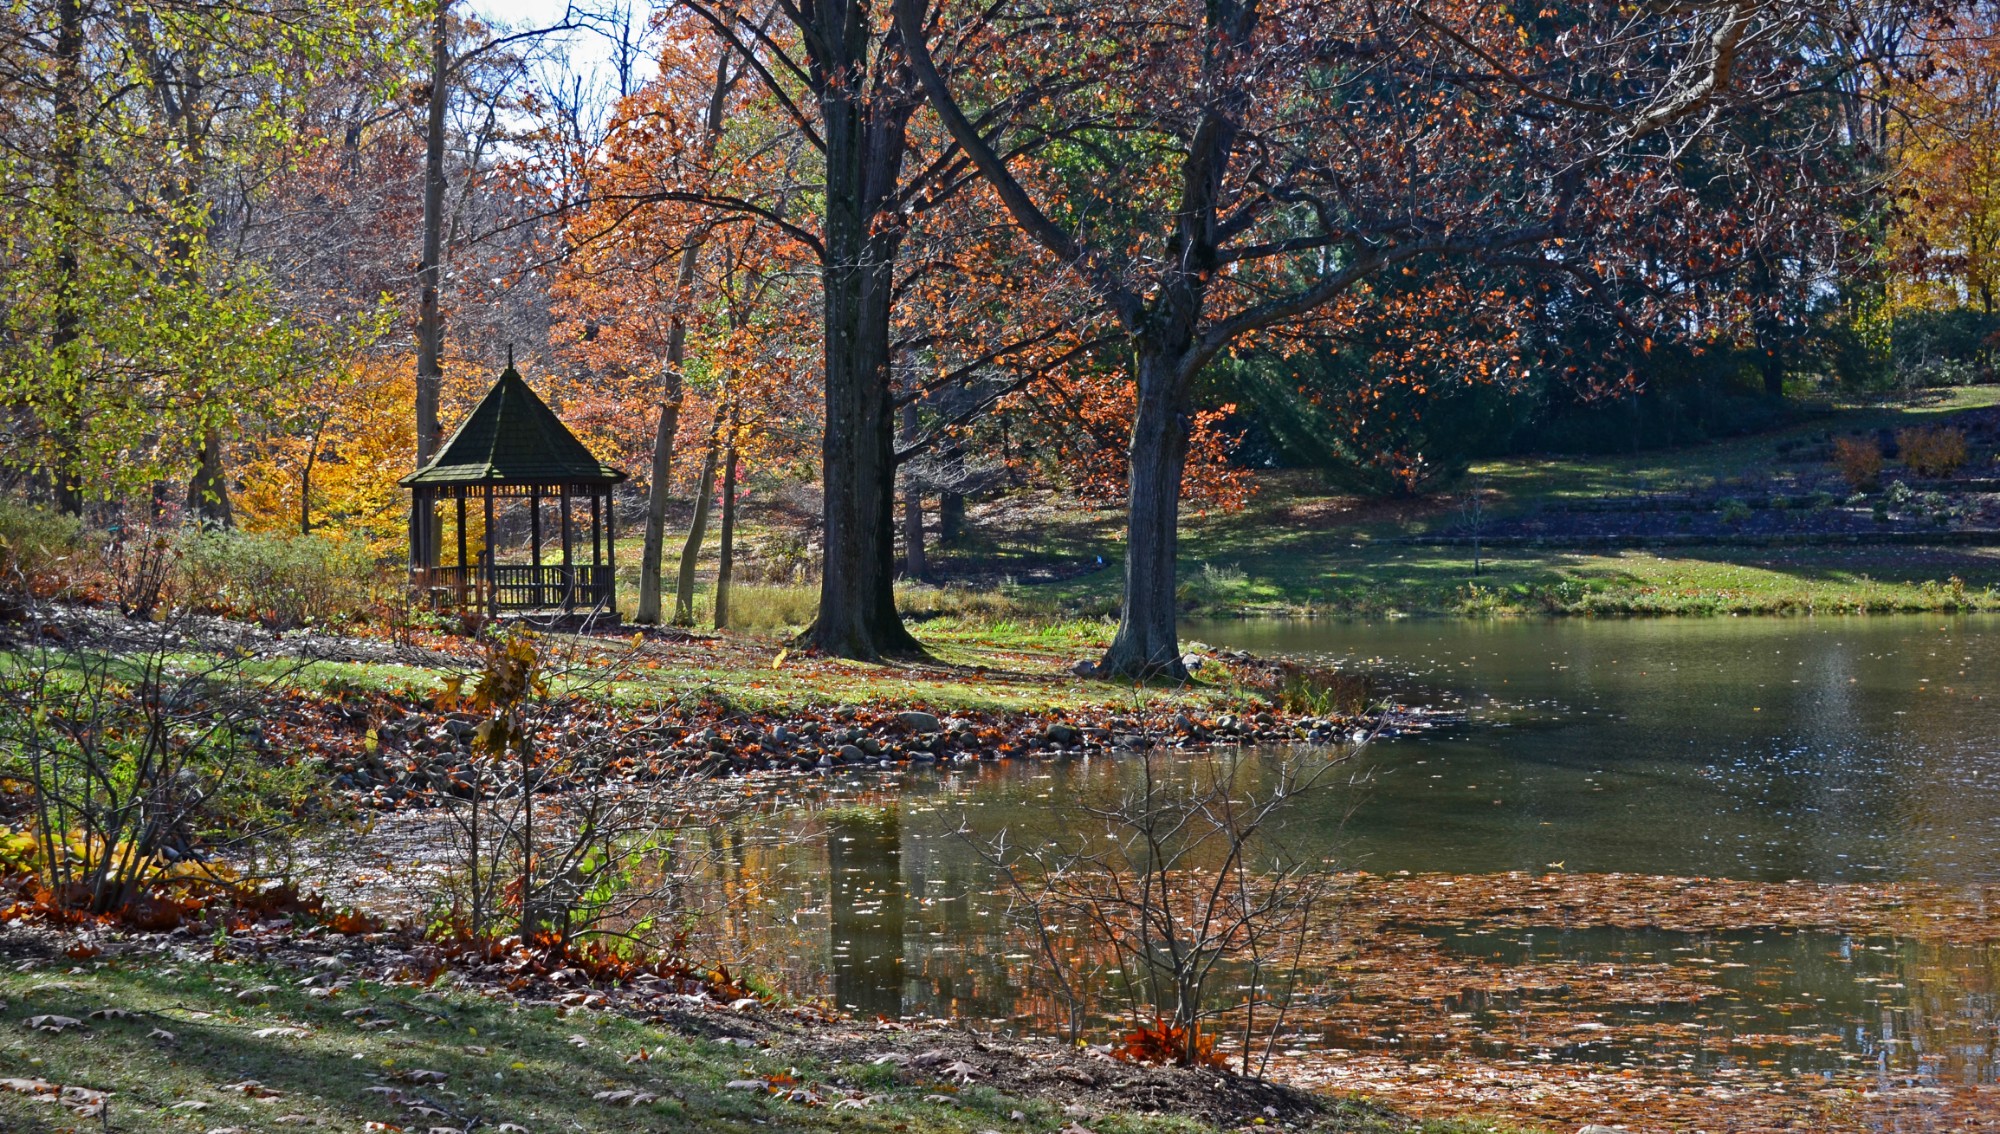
column 535, row 545
column 486, row 554
column 417, row 505
column 611, row 553
column 464, row 571
column 596, row 550
column 569, row 567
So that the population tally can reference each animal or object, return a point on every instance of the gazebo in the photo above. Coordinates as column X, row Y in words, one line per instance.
column 512, row 447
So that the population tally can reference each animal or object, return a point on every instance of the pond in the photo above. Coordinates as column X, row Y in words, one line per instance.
column 1749, row 774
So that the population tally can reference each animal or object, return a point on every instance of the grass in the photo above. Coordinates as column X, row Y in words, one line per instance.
column 503, row 1062
column 1299, row 550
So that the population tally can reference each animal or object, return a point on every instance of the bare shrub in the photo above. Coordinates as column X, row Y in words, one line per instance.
column 550, row 839
column 1149, row 899
column 144, row 761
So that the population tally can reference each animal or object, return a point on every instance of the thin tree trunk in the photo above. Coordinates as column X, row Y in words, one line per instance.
column 305, row 497
column 430, row 271
column 652, row 549
column 697, row 531
column 725, row 564
column 1147, row 644
column 951, row 518
column 69, row 124
column 914, row 566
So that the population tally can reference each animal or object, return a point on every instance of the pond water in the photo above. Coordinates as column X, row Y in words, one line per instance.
column 1841, row 751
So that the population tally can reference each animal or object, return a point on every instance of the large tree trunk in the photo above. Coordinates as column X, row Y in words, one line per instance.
column 857, row 600
column 1147, row 644
column 430, row 270
column 208, row 488
column 864, row 153
column 725, row 563
column 914, row 566
column 697, row 531
column 653, row 548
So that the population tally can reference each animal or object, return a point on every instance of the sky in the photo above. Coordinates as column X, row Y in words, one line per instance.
column 588, row 51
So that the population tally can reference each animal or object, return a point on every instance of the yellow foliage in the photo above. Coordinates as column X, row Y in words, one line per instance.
column 352, row 437
column 1934, row 452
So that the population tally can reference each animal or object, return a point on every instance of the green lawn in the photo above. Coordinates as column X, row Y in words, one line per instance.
column 204, row 1046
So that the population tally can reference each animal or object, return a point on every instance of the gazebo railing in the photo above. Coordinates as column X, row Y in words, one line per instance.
column 523, row 586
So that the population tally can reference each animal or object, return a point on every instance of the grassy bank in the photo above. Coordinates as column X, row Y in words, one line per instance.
column 199, row 1046
column 1300, row 549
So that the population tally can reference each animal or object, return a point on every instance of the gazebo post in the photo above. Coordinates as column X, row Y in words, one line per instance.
column 611, row 553
column 416, row 538
column 535, row 541
column 486, row 553
column 464, row 572
column 596, row 527
column 569, row 570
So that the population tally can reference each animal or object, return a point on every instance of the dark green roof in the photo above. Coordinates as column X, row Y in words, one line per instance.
column 512, row 437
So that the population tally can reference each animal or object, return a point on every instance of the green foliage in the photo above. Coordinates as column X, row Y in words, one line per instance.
column 282, row 581
column 40, row 550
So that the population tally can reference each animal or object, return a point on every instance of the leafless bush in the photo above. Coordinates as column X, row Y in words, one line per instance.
column 144, row 760
column 1150, row 898
column 549, row 838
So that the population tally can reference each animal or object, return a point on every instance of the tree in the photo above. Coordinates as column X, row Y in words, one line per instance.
column 149, row 321
column 1947, row 241
column 1240, row 167
column 830, row 124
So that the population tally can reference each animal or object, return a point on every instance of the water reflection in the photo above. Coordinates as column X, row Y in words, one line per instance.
column 864, row 862
column 1832, row 751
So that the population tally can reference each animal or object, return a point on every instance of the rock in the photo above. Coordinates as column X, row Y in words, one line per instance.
column 1084, row 668
column 1192, row 662
column 1128, row 740
column 1594, row 1128
column 918, row 722
column 1060, row 733
column 870, row 745
column 781, row 734
column 852, row 754
column 1266, row 719
column 957, row 725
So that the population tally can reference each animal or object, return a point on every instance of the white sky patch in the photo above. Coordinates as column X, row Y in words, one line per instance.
column 587, row 50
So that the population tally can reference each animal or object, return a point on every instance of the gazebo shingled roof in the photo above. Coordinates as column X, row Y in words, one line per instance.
column 512, row 437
